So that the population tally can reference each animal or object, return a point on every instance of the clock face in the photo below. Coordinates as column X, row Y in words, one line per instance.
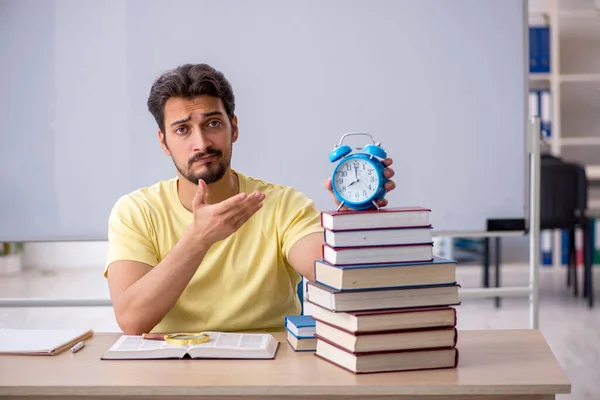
column 356, row 180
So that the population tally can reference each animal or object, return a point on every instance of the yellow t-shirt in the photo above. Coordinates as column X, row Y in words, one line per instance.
column 244, row 283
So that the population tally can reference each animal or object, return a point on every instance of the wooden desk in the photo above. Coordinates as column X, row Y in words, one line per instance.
column 494, row 364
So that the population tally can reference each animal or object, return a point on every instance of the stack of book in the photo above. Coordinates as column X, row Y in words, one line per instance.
column 381, row 301
column 301, row 332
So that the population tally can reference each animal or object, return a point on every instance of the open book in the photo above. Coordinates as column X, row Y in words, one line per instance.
column 220, row 345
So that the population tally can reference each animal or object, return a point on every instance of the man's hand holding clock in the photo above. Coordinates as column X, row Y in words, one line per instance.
column 390, row 185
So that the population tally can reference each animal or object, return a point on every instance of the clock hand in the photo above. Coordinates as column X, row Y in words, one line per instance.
column 356, row 176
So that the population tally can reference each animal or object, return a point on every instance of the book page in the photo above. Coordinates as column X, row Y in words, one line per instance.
column 241, row 341
column 220, row 345
column 136, row 343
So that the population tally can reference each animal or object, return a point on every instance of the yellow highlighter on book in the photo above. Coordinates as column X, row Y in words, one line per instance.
column 178, row 338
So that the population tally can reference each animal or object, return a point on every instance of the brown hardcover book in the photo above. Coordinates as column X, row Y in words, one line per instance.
column 366, row 342
column 387, row 361
column 382, row 298
column 348, row 277
column 385, row 320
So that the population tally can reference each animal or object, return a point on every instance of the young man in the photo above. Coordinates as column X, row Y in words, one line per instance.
column 211, row 249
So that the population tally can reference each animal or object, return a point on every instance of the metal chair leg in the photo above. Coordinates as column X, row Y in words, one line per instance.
column 497, row 270
column 588, row 248
column 486, row 262
column 568, row 268
column 572, row 261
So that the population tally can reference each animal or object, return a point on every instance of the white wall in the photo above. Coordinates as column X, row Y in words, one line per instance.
column 49, row 255
column 515, row 249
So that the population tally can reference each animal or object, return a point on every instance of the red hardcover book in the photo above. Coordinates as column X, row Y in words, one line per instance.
column 382, row 298
column 368, row 342
column 387, row 320
column 386, row 361
column 378, row 236
column 372, row 276
column 416, row 252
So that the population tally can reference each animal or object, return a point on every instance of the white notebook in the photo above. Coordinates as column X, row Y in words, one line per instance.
column 45, row 342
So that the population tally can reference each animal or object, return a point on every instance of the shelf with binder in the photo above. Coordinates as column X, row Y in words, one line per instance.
column 572, row 83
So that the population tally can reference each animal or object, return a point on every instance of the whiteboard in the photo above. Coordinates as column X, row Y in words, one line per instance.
column 441, row 84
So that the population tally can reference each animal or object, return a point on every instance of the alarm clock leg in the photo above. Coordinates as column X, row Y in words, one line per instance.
column 375, row 204
column 340, row 206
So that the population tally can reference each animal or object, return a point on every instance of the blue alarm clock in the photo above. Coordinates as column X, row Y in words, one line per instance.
column 357, row 179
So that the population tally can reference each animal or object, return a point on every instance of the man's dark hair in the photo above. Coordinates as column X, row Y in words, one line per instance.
column 189, row 81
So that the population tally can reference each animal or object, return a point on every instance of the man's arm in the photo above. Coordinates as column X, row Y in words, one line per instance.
column 142, row 295
column 304, row 252
column 307, row 249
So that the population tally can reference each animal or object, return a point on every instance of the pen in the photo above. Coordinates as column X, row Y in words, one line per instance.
column 78, row 347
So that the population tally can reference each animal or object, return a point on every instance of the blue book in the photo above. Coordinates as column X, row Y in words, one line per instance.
column 301, row 326
column 439, row 271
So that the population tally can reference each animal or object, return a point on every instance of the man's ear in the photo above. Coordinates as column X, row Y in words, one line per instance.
column 234, row 129
column 163, row 143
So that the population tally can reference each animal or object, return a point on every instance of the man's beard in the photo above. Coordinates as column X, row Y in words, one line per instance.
column 213, row 173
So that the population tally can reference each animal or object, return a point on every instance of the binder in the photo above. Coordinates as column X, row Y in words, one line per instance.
column 546, row 245
column 544, row 41
column 534, row 103
column 534, row 57
column 539, row 44
column 546, row 113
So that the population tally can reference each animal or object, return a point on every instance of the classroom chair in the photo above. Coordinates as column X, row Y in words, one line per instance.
column 563, row 205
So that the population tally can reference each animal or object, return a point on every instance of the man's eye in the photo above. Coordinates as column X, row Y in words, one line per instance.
column 181, row 130
column 214, row 124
